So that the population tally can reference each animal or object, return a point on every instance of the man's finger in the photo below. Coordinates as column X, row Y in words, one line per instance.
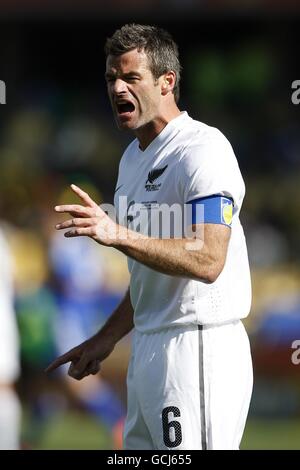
column 75, row 209
column 94, row 367
column 67, row 357
column 84, row 196
column 78, row 369
column 81, row 232
column 75, row 223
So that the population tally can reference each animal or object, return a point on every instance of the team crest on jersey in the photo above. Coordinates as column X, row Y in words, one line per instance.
column 226, row 211
column 152, row 176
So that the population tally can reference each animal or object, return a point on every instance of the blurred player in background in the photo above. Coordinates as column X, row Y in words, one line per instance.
column 10, row 409
column 190, row 375
column 81, row 297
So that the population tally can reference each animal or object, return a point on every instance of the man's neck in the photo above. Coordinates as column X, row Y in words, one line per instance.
column 150, row 131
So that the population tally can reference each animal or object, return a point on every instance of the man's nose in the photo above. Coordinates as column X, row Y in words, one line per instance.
column 119, row 86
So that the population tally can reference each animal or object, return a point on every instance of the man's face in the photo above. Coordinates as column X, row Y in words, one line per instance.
column 134, row 93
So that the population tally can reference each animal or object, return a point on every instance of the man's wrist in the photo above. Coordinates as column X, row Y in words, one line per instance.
column 109, row 334
column 126, row 238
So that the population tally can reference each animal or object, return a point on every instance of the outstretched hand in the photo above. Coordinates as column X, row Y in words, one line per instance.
column 85, row 358
column 88, row 220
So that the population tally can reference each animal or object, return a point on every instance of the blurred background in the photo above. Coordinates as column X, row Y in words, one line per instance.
column 239, row 62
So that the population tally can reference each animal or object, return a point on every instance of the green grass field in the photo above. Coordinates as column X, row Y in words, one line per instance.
column 78, row 431
column 272, row 435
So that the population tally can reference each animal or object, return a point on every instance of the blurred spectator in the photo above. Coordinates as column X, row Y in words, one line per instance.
column 10, row 410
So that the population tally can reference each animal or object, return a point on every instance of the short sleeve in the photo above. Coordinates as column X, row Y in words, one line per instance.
column 208, row 166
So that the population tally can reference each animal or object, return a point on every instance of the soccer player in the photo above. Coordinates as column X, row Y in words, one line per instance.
column 190, row 375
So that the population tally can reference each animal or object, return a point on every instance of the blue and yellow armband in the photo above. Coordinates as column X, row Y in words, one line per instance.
column 214, row 209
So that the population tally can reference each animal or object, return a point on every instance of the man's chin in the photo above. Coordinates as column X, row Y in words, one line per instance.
column 127, row 124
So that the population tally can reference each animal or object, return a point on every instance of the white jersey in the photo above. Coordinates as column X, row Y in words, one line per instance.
column 186, row 161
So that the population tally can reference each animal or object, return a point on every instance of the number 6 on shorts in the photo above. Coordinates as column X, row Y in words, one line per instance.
column 171, row 429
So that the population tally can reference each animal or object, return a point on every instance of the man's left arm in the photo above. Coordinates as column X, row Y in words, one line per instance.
column 201, row 258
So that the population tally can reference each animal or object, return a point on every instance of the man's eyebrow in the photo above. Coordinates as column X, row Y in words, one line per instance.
column 129, row 74
column 109, row 74
column 126, row 75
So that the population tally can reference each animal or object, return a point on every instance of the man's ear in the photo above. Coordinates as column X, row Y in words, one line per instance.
column 168, row 82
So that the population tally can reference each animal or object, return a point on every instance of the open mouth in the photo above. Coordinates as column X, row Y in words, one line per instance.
column 125, row 108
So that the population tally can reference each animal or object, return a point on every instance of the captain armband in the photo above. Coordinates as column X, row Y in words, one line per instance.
column 214, row 209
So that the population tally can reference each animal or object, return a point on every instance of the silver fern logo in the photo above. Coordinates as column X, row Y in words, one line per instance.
column 2, row 92
column 152, row 176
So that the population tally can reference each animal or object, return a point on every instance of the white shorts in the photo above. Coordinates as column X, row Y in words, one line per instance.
column 189, row 388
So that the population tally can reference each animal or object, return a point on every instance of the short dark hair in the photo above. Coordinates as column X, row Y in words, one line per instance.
column 157, row 43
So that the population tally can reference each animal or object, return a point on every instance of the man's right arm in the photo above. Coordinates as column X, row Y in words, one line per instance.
column 120, row 322
column 86, row 357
